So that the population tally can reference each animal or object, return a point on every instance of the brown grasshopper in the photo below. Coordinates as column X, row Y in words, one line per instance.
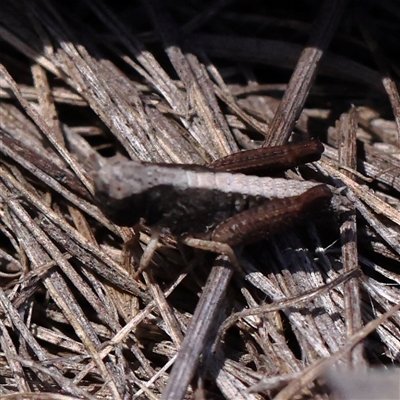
column 209, row 209
column 226, row 208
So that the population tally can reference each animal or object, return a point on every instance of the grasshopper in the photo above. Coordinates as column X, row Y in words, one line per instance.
column 211, row 208
column 206, row 207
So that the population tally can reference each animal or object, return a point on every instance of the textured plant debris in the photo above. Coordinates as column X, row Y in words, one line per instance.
column 190, row 83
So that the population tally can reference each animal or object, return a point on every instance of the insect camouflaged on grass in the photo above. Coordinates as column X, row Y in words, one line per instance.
column 230, row 209
column 209, row 205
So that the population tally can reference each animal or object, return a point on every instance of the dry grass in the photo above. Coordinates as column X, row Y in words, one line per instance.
column 189, row 84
